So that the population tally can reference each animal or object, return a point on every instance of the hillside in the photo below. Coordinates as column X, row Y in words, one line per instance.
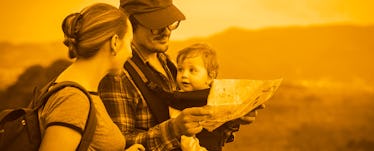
column 344, row 54
column 15, row 58
column 325, row 102
column 340, row 53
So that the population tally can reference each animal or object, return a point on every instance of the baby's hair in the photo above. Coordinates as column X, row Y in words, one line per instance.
column 207, row 53
column 87, row 31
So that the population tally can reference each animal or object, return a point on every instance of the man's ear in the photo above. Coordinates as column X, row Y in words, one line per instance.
column 114, row 44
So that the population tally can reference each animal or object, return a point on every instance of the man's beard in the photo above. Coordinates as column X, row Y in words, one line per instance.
column 159, row 50
column 153, row 48
column 163, row 45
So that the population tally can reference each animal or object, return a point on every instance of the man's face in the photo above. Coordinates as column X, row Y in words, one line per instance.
column 153, row 40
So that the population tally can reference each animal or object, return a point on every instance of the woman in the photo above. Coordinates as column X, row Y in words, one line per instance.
column 99, row 39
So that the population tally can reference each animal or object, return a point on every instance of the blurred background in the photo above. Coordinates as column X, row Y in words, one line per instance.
column 323, row 49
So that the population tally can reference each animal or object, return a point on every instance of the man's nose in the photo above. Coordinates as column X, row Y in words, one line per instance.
column 166, row 31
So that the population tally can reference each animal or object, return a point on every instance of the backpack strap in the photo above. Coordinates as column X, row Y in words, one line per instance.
column 156, row 98
column 38, row 91
column 157, row 105
column 90, row 126
column 178, row 100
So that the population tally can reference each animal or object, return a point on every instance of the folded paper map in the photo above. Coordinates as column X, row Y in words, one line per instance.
column 230, row 99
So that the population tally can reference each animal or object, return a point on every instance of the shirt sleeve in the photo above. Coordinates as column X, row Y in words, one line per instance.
column 130, row 113
column 68, row 107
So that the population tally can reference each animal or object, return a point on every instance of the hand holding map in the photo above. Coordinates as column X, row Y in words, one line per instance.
column 230, row 99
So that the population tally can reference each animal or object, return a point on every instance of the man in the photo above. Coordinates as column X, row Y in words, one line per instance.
column 141, row 114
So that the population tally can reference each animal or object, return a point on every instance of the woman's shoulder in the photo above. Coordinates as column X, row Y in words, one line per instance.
column 70, row 93
column 68, row 98
column 69, row 107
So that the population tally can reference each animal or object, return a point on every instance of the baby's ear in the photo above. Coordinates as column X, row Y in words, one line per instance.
column 212, row 74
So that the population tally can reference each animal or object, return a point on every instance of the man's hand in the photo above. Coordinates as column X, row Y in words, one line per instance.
column 250, row 117
column 187, row 122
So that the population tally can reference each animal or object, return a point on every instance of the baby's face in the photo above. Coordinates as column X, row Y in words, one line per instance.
column 192, row 74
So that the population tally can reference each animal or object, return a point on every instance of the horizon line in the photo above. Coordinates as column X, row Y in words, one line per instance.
column 2, row 41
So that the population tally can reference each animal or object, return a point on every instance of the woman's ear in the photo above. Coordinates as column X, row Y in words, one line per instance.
column 114, row 44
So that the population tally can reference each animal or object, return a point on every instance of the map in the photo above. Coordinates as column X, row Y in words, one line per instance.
column 230, row 99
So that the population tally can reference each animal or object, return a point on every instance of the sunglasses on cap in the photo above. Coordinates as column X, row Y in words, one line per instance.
column 170, row 27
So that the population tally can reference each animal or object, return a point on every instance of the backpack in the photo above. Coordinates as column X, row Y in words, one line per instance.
column 19, row 128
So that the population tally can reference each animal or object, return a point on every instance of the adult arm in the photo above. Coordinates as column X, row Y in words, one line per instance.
column 130, row 114
column 60, row 138
column 64, row 117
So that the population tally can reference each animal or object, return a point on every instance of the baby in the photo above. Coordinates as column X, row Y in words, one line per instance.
column 197, row 68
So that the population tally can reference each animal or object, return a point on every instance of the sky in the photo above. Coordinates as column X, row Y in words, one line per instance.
column 40, row 20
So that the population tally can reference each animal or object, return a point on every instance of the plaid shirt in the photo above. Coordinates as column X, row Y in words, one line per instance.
column 129, row 110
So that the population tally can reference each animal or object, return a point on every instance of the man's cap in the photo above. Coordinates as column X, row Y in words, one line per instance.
column 154, row 14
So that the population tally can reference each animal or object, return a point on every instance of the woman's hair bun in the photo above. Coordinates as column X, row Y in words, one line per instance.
column 70, row 27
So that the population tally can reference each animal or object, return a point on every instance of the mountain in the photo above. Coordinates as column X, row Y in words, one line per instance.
column 15, row 58
column 338, row 53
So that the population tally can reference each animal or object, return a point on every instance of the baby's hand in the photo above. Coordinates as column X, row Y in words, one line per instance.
column 136, row 147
